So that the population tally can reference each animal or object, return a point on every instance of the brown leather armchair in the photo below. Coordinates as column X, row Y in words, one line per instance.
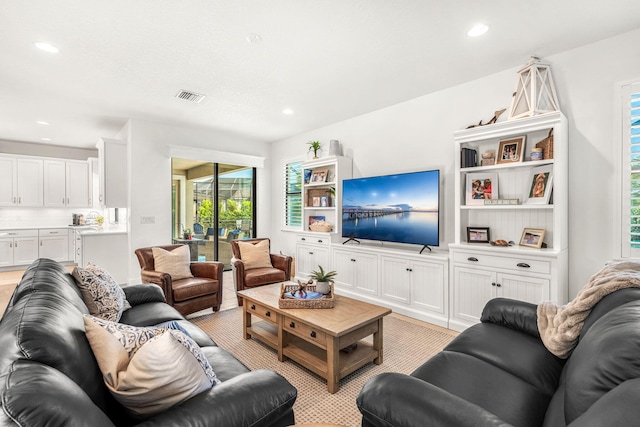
column 196, row 293
column 243, row 278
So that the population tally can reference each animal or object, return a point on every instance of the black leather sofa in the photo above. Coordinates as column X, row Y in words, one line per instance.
column 499, row 373
column 49, row 376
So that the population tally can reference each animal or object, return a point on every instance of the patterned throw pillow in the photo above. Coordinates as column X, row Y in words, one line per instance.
column 101, row 294
column 255, row 256
column 148, row 370
column 177, row 263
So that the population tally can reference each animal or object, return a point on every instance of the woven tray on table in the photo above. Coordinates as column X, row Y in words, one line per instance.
column 328, row 301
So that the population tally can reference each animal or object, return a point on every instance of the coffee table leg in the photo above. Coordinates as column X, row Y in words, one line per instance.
column 377, row 343
column 333, row 365
column 246, row 320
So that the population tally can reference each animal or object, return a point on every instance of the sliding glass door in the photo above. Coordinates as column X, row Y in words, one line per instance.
column 208, row 231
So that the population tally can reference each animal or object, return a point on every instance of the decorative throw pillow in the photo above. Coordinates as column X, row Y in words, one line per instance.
column 177, row 263
column 255, row 256
column 101, row 294
column 148, row 370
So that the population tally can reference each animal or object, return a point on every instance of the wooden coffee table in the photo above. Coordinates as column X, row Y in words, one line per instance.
column 313, row 337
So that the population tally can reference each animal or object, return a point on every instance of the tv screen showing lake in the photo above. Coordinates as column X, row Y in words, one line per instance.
column 403, row 227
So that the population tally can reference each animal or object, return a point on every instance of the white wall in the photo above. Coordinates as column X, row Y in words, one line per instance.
column 150, row 178
column 418, row 135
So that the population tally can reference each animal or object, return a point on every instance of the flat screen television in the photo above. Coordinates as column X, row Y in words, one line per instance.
column 401, row 208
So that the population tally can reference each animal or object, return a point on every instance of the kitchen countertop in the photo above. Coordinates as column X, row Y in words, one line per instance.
column 83, row 229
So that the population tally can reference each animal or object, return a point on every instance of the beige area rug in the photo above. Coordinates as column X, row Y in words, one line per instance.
column 407, row 345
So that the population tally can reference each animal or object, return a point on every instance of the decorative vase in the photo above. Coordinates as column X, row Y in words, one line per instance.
column 323, row 287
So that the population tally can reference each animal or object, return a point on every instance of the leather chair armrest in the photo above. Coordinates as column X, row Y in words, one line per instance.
column 393, row 399
column 210, row 269
column 143, row 293
column 282, row 262
column 519, row 315
column 238, row 273
column 256, row 398
column 161, row 279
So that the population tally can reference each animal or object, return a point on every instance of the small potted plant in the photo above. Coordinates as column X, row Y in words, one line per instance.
column 100, row 221
column 186, row 234
column 315, row 146
column 323, row 280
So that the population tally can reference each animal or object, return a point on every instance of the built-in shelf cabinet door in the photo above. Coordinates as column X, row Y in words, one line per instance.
column 427, row 292
column 357, row 270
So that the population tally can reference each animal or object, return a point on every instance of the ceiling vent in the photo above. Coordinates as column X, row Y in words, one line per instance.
column 190, row 96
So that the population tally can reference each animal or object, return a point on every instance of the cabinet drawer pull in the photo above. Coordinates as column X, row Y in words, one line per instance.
column 493, row 283
column 253, row 306
column 268, row 314
column 353, row 260
column 313, row 334
column 310, row 253
column 292, row 325
column 523, row 265
column 472, row 258
column 303, row 239
column 498, row 285
column 319, row 240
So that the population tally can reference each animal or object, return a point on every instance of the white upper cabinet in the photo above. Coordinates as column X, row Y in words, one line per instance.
column 67, row 183
column 8, row 178
column 30, row 182
column 112, row 162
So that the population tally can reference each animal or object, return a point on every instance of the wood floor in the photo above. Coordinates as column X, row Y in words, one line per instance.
column 9, row 280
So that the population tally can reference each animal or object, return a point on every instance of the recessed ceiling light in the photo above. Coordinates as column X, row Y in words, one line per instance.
column 477, row 30
column 46, row 139
column 41, row 122
column 47, row 47
column 254, row 38
column 287, row 111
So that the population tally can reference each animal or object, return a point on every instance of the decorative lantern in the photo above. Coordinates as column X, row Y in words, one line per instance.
column 535, row 93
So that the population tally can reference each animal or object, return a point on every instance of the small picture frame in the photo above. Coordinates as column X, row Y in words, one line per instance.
column 532, row 237
column 478, row 235
column 315, row 201
column 480, row 187
column 324, row 201
column 319, row 175
column 307, row 176
column 510, row 150
column 540, row 185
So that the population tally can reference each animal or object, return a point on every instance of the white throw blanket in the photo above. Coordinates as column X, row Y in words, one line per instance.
column 560, row 326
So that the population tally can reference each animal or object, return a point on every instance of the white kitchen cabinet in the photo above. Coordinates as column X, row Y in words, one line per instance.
column 312, row 250
column 29, row 181
column 18, row 247
column 67, row 183
column 9, row 180
column 54, row 183
column 357, row 270
column 112, row 164
column 54, row 244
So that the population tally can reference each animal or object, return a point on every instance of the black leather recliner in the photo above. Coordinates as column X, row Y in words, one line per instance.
column 499, row 373
column 49, row 376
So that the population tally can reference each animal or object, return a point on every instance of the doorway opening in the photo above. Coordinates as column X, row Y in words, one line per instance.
column 198, row 186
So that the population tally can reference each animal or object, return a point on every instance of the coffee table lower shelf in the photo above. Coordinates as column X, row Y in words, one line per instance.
column 310, row 356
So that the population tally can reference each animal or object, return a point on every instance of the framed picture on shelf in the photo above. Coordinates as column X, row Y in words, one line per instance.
column 510, row 150
column 315, row 201
column 307, row 176
column 319, row 175
column 532, row 237
column 540, row 185
column 324, row 201
column 480, row 187
column 478, row 235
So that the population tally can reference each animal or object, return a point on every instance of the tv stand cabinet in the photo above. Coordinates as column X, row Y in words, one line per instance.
column 412, row 284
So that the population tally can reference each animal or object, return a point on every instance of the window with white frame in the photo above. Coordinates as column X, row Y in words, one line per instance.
column 292, row 195
column 630, row 136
